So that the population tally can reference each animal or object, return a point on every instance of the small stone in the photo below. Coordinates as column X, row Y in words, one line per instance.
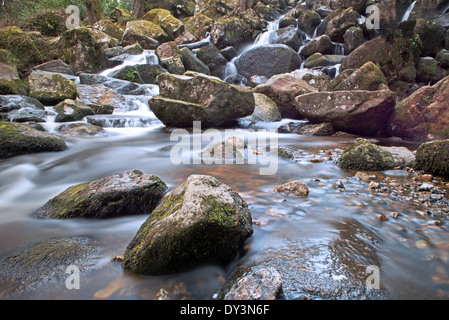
column 382, row 217
column 395, row 214
column 425, row 187
column 362, row 176
column 297, row 188
column 338, row 185
column 374, row 185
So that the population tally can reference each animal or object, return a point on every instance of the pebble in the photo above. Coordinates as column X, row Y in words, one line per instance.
column 425, row 187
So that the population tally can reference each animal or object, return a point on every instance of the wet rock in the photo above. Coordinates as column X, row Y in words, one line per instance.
column 283, row 89
column 199, row 25
column 428, row 71
column 423, row 115
column 17, row 139
column 127, row 193
column 289, row 36
column 45, row 264
column 70, row 110
column 296, row 188
column 308, row 20
column 192, row 63
column 81, row 129
column 170, row 57
column 128, row 73
column 51, row 88
column 222, row 151
column 433, row 157
column 261, row 284
column 321, row 129
column 131, row 37
column 340, row 21
column 265, row 109
column 353, row 38
column 319, row 60
column 149, row 72
column 358, row 111
column 232, row 31
column 99, row 94
column 197, row 97
column 363, row 155
column 201, row 221
column 212, row 57
column 268, row 60
column 322, row 44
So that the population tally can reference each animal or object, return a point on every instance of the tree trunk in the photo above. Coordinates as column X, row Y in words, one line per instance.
column 94, row 11
column 138, row 8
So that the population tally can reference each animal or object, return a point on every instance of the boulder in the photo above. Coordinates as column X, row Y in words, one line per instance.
column 51, row 88
column 10, row 82
column 283, row 89
column 199, row 25
column 367, row 77
column 322, row 44
column 358, row 111
column 296, row 188
column 433, row 157
column 319, row 60
column 423, row 116
column 170, row 57
column 148, row 29
column 198, row 97
column 230, row 32
column 183, row 8
column 80, row 129
column 101, row 95
column 200, row 222
column 21, row 46
column 341, row 21
column 109, row 28
column 192, row 63
column 18, row 139
column 364, row 155
column 308, row 20
column 70, row 110
column 321, row 129
column 128, row 193
column 55, row 66
column 443, row 58
column 353, row 38
column 268, row 60
column 127, row 73
column 78, row 47
column 22, row 109
column 131, row 37
column 289, row 36
column 428, row 70
column 162, row 17
column 265, row 109
column 212, row 57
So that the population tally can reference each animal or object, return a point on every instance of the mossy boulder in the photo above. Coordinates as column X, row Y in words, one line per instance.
column 202, row 221
column 128, row 73
column 21, row 46
column 433, row 157
column 231, row 32
column 148, row 29
column 22, row 109
column 266, row 110
column 199, row 25
column 78, row 48
column 198, row 97
column 10, row 83
column 162, row 17
column 109, row 28
column 179, row 8
column 51, row 88
column 50, row 23
column 81, row 129
column 128, row 193
column 170, row 57
column 364, row 155
column 367, row 77
column 18, row 139
column 70, row 110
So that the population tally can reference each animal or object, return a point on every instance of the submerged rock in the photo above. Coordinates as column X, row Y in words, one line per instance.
column 80, row 129
column 17, row 139
column 22, row 109
column 45, row 263
column 296, row 188
column 128, row 193
column 364, row 155
column 200, row 222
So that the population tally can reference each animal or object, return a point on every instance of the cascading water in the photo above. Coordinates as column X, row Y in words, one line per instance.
column 408, row 12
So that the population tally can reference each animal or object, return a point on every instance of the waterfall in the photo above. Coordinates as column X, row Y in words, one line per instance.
column 264, row 38
column 408, row 11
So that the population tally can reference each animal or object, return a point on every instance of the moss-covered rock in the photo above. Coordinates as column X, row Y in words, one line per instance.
column 17, row 139
column 364, row 155
column 179, row 8
column 50, row 23
column 170, row 57
column 266, row 110
column 367, row 77
column 200, row 222
column 51, row 88
column 433, row 157
column 162, row 17
column 19, row 44
column 81, row 129
column 128, row 193
column 128, row 73
column 109, row 28
column 10, row 83
column 148, row 29
column 70, row 110
column 79, row 49
column 199, row 25
column 231, row 32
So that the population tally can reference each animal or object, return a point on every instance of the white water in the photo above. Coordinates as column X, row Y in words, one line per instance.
column 147, row 57
column 408, row 12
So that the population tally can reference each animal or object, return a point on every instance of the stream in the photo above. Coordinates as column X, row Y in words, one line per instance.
column 341, row 225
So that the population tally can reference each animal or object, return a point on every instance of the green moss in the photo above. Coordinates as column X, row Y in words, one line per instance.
column 13, row 86
column 363, row 155
column 433, row 157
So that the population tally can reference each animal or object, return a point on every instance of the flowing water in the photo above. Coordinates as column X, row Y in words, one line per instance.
column 411, row 251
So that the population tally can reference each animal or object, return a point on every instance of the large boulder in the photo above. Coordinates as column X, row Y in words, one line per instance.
column 128, row 193
column 78, row 48
column 433, row 157
column 70, row 110
column 198, row 97
column 424, row 115
column 17, row 139
column 364, row 155
column 211, row 56
column 200, row 222
column 341, row 21
column 230, row 32
column 147, row 29
column 358, row 111
column 163, row 18
column 283, row 89
column 51, row 88
column 21, row 46
column 367, row 77
column 268, row 60
column 170, row 57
